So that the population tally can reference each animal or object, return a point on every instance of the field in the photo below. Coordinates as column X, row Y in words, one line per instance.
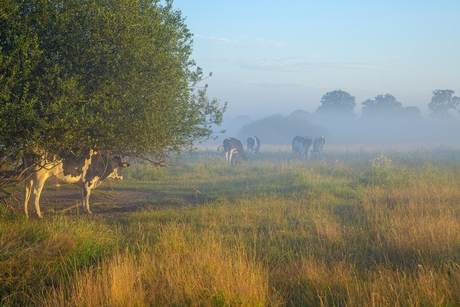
column 362, row 226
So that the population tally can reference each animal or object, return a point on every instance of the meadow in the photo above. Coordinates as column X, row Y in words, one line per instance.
column 362, row 226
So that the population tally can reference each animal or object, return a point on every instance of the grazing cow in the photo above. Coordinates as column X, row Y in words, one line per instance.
column 234, row 151
column 87, row 170
column 301, row 146
column 318, row 145
column 253, row 144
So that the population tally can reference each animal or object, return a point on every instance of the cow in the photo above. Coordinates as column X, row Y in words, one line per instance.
column 318, row 145
column 301, row 146
column 234, row 151
column 87, row 170
column 253, row 145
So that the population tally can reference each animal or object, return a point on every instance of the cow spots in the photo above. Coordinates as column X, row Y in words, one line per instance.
column 87, row 170
column 234, row 152
column 301, row 146
column 253, row 145
column 318, row 145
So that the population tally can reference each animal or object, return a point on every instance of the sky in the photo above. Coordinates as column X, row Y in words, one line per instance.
column 274, row 57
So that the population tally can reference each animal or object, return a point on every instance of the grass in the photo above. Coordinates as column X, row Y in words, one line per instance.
column 362, row 227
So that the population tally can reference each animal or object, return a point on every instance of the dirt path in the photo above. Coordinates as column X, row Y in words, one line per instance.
column 104, row 203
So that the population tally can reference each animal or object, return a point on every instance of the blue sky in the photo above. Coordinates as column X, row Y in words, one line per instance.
column 270, row 57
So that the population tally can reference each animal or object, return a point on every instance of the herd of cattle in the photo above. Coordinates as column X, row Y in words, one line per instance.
column 302, row 146
column 88, row 169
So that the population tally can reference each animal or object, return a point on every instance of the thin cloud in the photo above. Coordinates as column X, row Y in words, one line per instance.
column 389, row 57
column 243, row 41
column 290, row 65
column 306, row 63
column 277, row 85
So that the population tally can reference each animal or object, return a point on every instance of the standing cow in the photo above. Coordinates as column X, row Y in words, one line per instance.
column 87, row 170
column 318, row 145
column 234, row 151
column 301, row 146
column 253, row 145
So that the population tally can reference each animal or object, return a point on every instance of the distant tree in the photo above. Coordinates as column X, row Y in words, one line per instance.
column 381, row 106
column 410, row 113
column 442, row 102
column 279, row 129
column 300, row 113
column 338, row 104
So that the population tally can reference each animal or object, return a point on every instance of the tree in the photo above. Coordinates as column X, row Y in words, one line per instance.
column 381, row 106
column 279, row 129
column 106, row 75
column 338, row 103
column 410, row 113
column 442, row 102
column 300, row 114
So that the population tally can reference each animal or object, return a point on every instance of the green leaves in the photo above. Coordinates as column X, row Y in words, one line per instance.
column 113, row 75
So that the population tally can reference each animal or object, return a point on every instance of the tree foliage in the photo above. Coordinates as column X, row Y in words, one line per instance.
column 337, row 103
column 108, row 75
column 386, row 107
column 381, row 105
column 279, row 129
column 410, row 113
column 442, row 102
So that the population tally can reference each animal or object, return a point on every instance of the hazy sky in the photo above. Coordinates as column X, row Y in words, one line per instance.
column 272, row 57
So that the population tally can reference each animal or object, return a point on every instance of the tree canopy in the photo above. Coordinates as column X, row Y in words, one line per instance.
column 279, row 129
column 381, row 105
column 385, row 107
column 107, row 75
column 338, row 103
column 442, row 102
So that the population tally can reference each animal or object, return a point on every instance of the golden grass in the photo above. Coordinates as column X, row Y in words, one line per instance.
column 181, row 270
column 333, row 232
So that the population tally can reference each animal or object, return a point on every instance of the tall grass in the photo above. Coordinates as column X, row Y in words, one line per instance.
column 358, row 228
column 35, row 255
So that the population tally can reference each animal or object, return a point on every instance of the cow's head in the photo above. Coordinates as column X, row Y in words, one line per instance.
column 117, row 165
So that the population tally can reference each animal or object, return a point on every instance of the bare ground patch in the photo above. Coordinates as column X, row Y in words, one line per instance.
column 103, row 203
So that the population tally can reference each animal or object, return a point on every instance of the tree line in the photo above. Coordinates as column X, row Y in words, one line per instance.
column 340, row 103
column 383, row 119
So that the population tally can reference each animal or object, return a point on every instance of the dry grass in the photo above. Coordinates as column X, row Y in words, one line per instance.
column 180, row 270
column 354, row 229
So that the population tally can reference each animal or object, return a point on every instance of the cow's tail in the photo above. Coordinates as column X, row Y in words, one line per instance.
column 218, row 148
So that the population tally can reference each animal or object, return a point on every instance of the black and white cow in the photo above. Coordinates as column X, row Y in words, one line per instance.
column 234, row 151
column 87, row 170
column 253, row 144
column 318, row 145
column 301, row 146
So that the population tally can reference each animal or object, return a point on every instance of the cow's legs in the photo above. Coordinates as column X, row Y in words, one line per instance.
column 85, row 194
column 307, row 153
column 230, row 160
column 37, row 191
column 27, row 190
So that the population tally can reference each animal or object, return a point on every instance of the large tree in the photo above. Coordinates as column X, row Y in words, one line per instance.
column 381, row 106
column 442, row 102
column 337, row 103
column 386, row 109
column 108, row 75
